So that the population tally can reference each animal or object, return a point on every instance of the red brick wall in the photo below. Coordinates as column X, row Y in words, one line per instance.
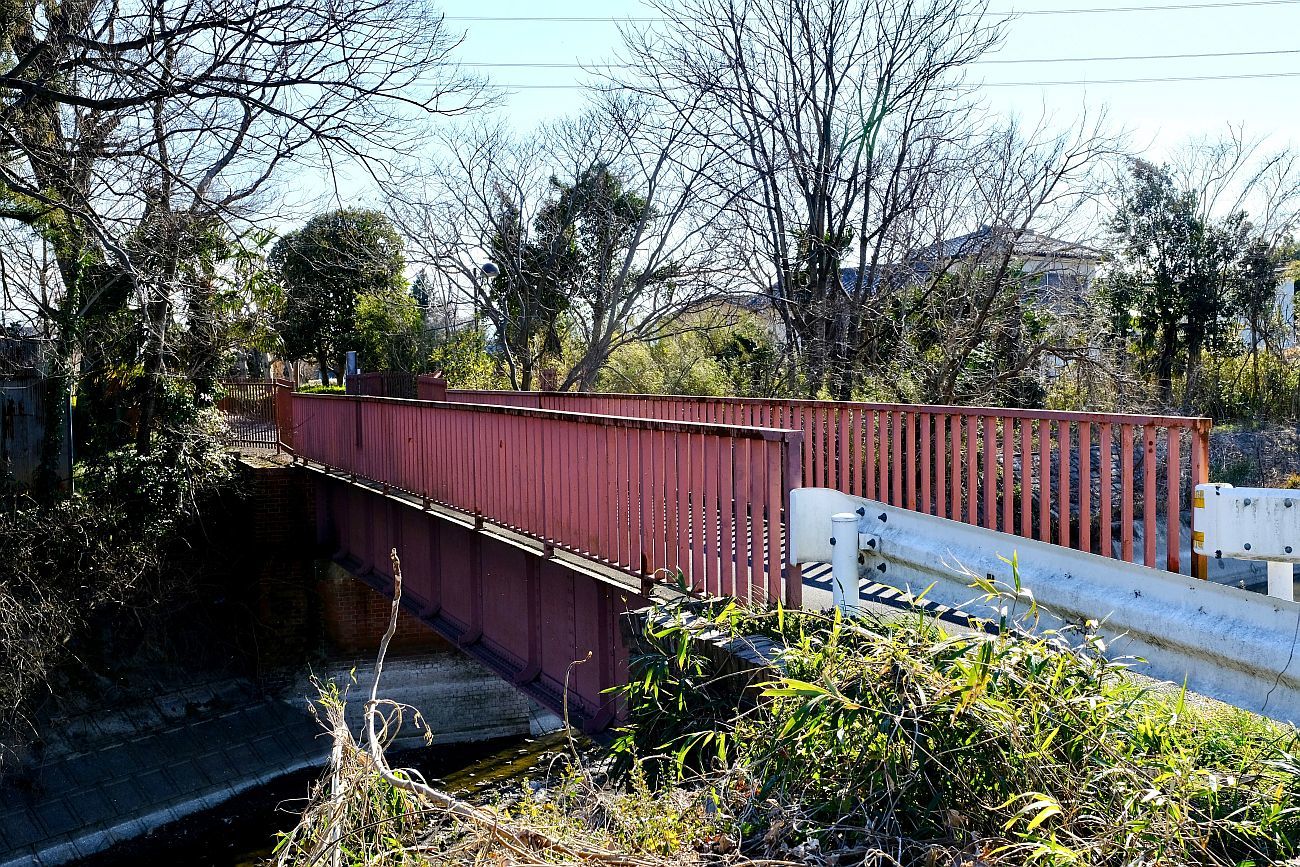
column 305, row 607
column 355, row 617
column 279, row 534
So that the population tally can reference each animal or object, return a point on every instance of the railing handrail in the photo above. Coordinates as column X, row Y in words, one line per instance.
column 1139, row 419
column 735, row 431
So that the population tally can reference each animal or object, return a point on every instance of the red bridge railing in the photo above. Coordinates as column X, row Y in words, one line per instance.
column 1111, row 484
column 648, row 497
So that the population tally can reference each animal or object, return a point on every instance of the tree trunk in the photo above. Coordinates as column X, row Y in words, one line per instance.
column 156, row 314
column 1165, row 364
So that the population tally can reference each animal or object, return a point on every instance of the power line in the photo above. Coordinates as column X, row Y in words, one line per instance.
column 1201, row 55
column 1197, row 56
column 1078, row 82
column 1235, row 77
column 1172, row 7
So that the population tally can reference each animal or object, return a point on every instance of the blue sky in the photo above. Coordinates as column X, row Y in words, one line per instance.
column 1159, row 115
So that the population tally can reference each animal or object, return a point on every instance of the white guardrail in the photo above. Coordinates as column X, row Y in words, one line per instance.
column 1239, row 647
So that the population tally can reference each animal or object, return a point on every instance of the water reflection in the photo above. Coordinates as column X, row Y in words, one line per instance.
column 242, row 832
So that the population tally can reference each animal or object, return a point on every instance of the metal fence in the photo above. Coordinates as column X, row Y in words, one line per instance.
column 381, row 384
column 649, row 497
column 249, row 410
column 257, row 413
column 1112, row 484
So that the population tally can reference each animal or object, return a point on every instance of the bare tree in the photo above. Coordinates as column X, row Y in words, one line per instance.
column 141, row 139
column 835, row 119
column 974, row 320
column 857, row 150
column 599, row 229
column 1234, row 172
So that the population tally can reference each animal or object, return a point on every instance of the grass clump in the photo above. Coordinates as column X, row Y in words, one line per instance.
column 896, row 736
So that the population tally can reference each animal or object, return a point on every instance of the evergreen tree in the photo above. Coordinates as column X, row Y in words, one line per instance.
column 326, row 268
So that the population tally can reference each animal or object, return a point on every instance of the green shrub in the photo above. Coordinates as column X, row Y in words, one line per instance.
column 462, row 355
column 322, row 389
column 111, row 547
column 895, row 734
column 1244, row 387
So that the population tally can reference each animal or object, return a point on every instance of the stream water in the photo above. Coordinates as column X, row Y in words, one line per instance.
column 242, row 833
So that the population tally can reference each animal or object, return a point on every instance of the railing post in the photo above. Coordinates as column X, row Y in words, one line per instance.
column 284, row 415
column 792, row 476
column 431, row 387
column 1200, row 472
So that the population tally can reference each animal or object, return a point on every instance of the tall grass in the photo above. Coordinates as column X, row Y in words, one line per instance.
column 894, row 735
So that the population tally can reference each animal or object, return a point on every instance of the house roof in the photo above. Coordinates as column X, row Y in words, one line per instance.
column 989, row 240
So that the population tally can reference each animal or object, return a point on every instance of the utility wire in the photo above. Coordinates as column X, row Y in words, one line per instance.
column 984, row 84
column 1173, row 7
column 1197, row 56
column 1234, row 77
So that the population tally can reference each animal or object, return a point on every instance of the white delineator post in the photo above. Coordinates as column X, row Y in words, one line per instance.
column 844, row 561
column 1281, row 580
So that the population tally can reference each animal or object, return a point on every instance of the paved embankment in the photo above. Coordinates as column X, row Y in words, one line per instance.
column 107, row 775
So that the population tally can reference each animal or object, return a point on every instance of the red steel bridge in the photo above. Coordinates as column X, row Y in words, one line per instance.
column 529, row 522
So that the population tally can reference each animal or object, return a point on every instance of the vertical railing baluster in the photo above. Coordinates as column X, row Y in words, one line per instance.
column 774, row 503
column 972, row 471
column 1064, row 458
column 727, row 513
column 699, row 524
column 1044, row 480
column 1126, row 492
column 744, row 531
column 856, row 484
column 941, row 466
column 1085, row 486
column 711, row 522
column 911, row 461
column 840, row 456
column 988, row 444
column 1027, row 478
column 896, row 457
column 1008, row 475
column 954, row 466
column 926, row 457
